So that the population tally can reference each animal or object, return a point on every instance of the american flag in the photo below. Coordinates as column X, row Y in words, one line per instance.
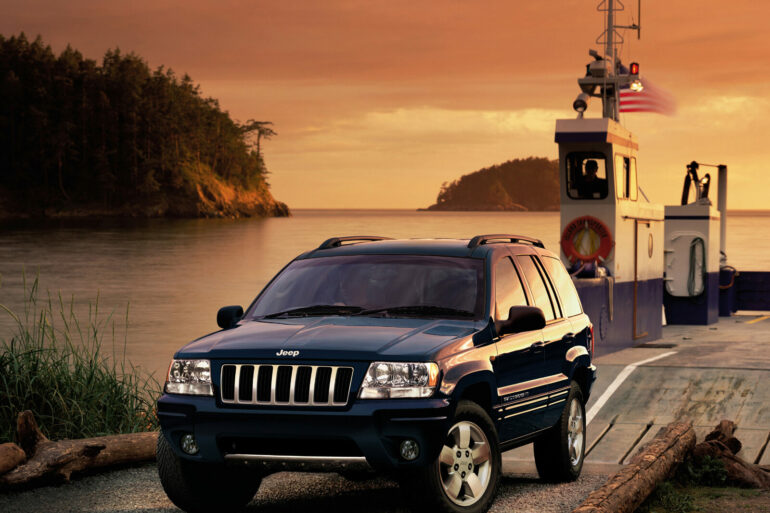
column 649, row 99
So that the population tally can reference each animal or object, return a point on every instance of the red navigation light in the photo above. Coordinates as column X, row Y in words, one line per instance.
column 634, row 68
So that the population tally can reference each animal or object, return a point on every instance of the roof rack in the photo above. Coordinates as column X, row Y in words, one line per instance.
column 479, row 240
column 336, row 242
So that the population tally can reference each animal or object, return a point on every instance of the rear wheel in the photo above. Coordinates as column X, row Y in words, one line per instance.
column 202, row 487
column 465, row 476
column 559, row 452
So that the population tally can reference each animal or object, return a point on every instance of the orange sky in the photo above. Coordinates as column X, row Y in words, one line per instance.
column 378, row 102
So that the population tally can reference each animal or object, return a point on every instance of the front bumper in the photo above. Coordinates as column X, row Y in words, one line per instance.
column 366, row 432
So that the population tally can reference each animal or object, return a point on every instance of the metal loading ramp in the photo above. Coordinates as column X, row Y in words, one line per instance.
column 702, row 373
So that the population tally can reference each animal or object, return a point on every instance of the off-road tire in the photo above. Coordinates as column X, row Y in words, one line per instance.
column 552, row 452
column 201, row 487
column 424, row 488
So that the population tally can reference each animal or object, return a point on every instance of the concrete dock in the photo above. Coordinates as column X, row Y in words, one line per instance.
column 702, row 373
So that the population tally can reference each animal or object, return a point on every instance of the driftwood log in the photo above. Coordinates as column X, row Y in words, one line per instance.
column 721, row 444
column 47, row 460
column 654, row 462
column 11, row 456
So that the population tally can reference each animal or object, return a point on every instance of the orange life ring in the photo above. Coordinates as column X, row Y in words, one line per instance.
column 598, row 246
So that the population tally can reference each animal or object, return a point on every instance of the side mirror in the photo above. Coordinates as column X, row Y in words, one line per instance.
column 227, row 316
column 521, row 319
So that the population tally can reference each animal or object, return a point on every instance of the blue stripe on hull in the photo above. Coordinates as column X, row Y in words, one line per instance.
column 616, row 334
column 702, row 309
column 753, row 290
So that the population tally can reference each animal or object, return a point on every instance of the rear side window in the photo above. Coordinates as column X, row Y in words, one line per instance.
column 536, row 286
column 570, row 301
column 508, row 288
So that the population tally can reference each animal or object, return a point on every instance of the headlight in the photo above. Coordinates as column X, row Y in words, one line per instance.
column 388, row 380
column 191, row 377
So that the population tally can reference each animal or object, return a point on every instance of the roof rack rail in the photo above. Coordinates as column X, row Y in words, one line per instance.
column 336, row 242
column 479, row 240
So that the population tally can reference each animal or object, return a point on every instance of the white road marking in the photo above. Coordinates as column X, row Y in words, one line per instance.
column 627, row 370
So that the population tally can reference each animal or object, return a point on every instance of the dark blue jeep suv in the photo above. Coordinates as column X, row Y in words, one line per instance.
column 424, row 359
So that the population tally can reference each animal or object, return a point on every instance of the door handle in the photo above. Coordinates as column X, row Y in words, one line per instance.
column 569, row 338
column 537, row 347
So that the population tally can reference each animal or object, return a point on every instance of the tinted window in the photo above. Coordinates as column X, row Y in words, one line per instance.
column 377, row 281
column 508, row 289
column 536, row 286
column 586, row 175
column 551, row 292
column 570, row 301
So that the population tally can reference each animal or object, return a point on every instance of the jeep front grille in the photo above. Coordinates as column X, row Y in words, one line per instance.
column 289, row 385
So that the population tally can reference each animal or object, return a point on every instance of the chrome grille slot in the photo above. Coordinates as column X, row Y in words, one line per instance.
column 285, row 385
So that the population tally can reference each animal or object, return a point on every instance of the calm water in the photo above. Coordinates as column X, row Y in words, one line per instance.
column 174, row 274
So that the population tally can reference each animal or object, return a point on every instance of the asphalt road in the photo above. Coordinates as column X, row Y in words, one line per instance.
column 138, row 490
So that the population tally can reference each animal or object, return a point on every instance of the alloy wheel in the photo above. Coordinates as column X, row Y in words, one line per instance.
column 575, row 432
column 465, row 465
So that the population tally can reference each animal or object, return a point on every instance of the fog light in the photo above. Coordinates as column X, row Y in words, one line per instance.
column 188, row 444
column 410, row 450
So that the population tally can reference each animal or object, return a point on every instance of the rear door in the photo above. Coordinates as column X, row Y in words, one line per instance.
column 519, row 364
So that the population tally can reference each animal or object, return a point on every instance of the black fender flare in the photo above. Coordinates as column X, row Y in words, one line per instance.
column 577, row 364
column 479, row 377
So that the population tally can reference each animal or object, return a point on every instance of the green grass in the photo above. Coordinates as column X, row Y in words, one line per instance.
column 682, row 492
column 52, row 363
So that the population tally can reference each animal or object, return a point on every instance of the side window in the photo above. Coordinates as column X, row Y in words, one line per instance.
column 508, row 289
column 625, row 177
column 549, row 285
column 586, row 175
column 536, row 286
column 620, row 176
column 570, row 301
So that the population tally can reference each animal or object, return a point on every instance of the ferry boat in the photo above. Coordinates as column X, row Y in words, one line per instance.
column 637, row 264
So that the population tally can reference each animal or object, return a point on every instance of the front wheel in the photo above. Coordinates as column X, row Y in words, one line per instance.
column 465, row 476
column 560, row 451
column 200, row 487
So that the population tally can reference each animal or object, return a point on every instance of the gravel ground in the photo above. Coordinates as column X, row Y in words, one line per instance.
column 138, row 490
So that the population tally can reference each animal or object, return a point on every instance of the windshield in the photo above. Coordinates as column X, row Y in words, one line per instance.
column 397, row 285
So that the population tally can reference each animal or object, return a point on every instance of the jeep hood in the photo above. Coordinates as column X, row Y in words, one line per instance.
column 330, row 338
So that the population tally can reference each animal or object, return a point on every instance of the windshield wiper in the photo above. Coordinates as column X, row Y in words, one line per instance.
column 307, row 311
column 419, row 310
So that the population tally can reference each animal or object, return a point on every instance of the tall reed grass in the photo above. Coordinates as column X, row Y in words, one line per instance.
column 53, row 363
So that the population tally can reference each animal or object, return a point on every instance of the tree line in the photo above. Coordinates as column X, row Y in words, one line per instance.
column 75, row 131
column 520, row 184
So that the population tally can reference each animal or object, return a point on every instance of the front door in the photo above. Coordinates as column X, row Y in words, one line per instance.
column 519, row 364
column 557, row 334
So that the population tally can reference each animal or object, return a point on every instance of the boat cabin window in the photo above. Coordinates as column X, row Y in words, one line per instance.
column 625, row 177
column 586, row 175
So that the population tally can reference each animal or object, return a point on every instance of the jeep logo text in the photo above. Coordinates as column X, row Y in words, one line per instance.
column 287, row 353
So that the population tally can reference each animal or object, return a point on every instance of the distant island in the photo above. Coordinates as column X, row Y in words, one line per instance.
column 83, row 139
column 517, row 185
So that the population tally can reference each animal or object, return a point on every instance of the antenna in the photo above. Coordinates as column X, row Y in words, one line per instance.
column 639, row 25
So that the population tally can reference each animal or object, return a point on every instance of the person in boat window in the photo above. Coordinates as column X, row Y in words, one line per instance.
column 591, row 185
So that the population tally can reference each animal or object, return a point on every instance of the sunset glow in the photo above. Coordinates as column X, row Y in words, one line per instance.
column 377, row 103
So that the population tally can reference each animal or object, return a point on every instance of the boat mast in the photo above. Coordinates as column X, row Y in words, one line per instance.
column 610, row 103
column 605, row 73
